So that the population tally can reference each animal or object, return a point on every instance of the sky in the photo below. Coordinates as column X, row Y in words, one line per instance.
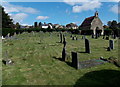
column 63, row 12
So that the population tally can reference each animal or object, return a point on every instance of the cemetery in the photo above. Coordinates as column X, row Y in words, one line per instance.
column 59, row 58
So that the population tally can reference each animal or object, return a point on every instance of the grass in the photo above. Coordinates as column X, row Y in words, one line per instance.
column 35, row 60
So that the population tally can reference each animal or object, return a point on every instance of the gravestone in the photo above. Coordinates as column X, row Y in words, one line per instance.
column 114, row 36
column 96, row 35
column 63, row 54
column 73, row 38
column 103, row 36
column 108, row 49
column 64, row 42
column 76, row 38
column 14, row 33
column 87, row 46
column 83, row 37
column 107, row 37
column 111, row 44
column 8, row 35
column 92, row 35
column 75, row 61
column 60, row 37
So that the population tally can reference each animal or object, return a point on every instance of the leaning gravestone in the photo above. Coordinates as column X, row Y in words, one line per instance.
column 87, row 46
column 63, row 54
column 75, row 61
column 111, row 44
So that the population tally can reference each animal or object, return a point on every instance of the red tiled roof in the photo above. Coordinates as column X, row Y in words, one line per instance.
column 87, row 21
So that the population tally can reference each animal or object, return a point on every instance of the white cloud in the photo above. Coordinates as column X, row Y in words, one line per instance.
column 42, row 17
column 15, row 8
column 18, row 17
column 115, row 8
column 86, row 6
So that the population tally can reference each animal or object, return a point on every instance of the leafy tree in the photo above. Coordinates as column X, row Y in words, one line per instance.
column 7, row 22
column 17, row 25
column 109, row 23
column 114, row 25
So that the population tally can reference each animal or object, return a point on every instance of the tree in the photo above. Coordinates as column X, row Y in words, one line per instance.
column 17, row 25
column 7, row 22
column 114, row 25
column 109, row 23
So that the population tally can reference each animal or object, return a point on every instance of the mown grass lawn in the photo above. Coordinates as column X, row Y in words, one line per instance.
column 35, row 61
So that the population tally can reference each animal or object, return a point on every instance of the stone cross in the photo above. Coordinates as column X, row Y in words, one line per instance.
column 75, row 61
column 87, row 46
column 111, row 44
column 63, row 54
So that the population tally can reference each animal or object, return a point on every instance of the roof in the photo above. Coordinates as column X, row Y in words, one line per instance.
column 87, row 21
column 71, row 25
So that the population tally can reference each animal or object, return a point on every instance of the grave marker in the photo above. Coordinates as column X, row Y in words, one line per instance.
column 111, row 44
column 87, row 46
column 75, row 61
column 63, row 54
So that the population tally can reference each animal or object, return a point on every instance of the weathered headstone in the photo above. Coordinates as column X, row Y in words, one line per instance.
column 63, row 54
column 75, row 61
column 87, row 46
column 60, row 37
column 111, row 44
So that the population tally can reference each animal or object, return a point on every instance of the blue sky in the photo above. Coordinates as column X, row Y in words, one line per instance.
column 60, row 12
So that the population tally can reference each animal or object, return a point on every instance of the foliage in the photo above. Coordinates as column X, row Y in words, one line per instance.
column 7, row 22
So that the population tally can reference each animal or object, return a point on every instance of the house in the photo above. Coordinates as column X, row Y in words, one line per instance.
column 93, row 23
column 71, row 26
column 45, row 26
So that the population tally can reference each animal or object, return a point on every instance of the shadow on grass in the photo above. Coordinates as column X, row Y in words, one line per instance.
column 102, row 77
column 60, row 59
column 57, row 58
column 81, row 52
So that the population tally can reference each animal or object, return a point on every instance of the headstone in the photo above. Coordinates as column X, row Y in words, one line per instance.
column 87, row 46
column 75, row 61
column 14, row 33
column 107, row 37
column 114, row 36
column 76, row 38
column 103, row 36
column 73, row 38
column 64, row 41
column 83, row 37
column 92, row 35
column 96, row 35
column 108, row 49
column 111, row 44
column 63, row 54
column 60, row 37
column 8, row 35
